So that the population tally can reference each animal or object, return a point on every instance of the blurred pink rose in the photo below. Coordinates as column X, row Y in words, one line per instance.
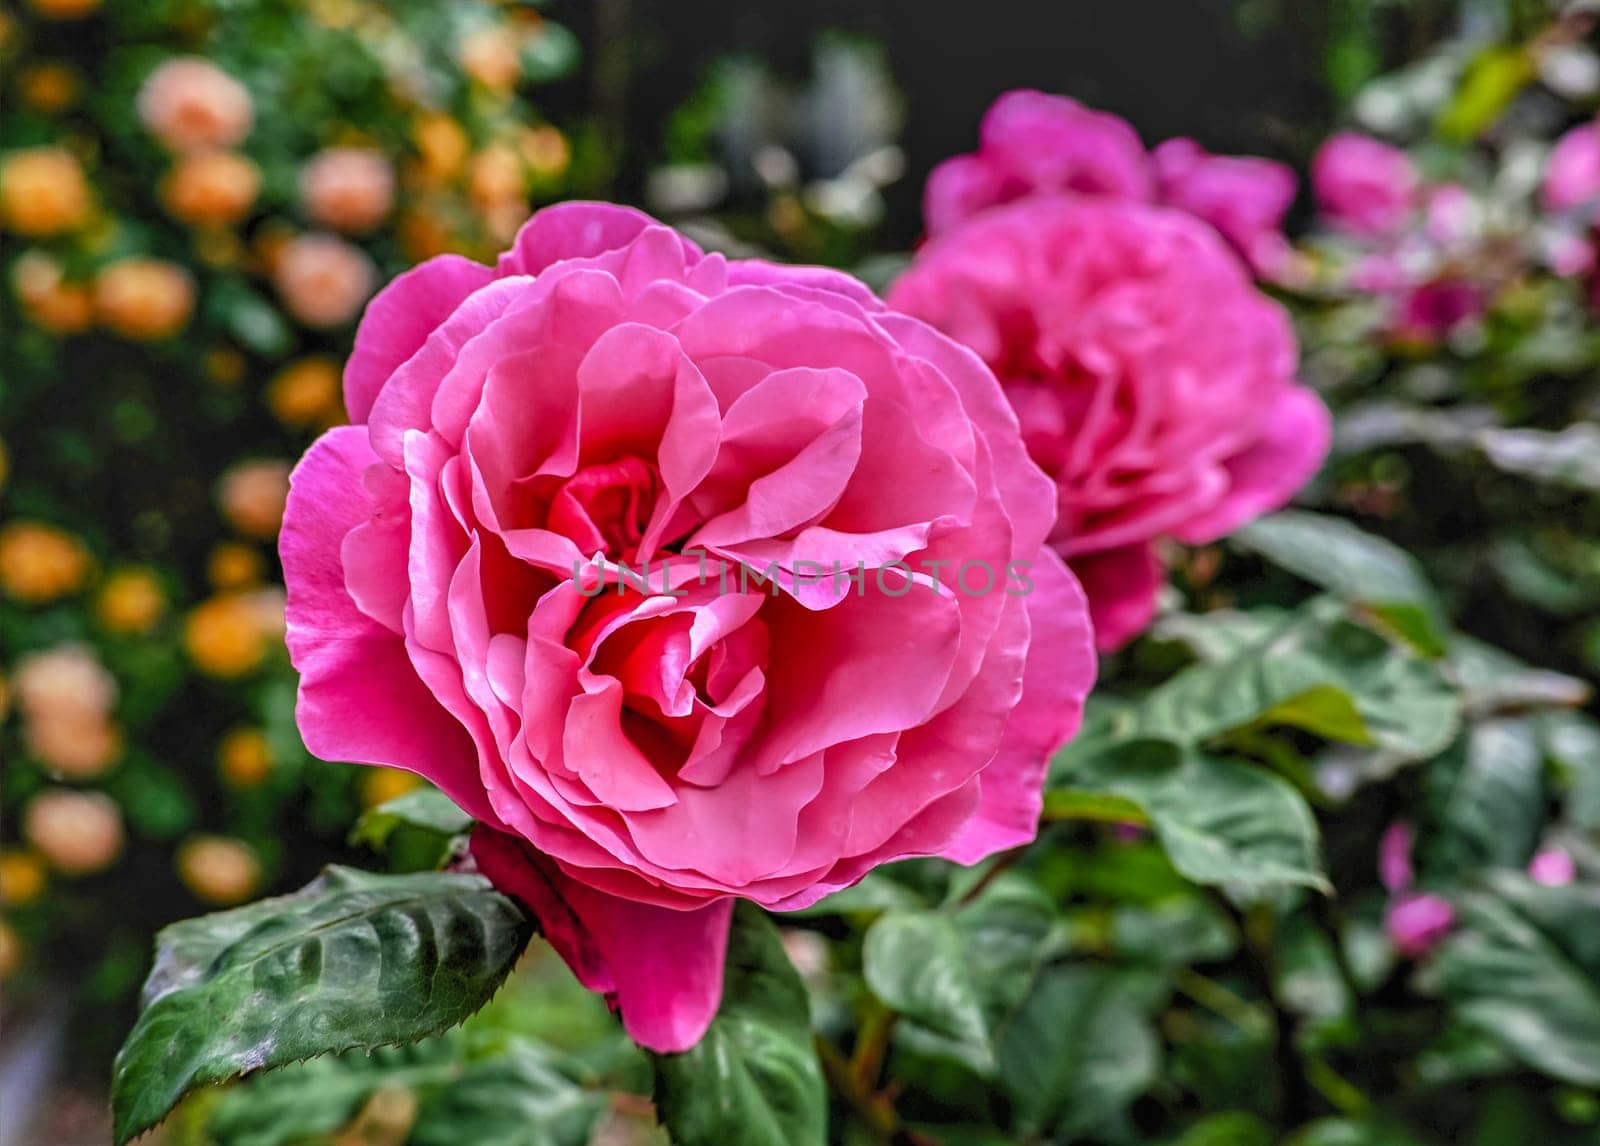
column 1572, row 173
column 1416, row 923
column 1243, row 197
column 1033, row 143
column 348, row 188
column 1394, row 857
column 323, row 281
column 1153, row 382
column 1451, row 214
column 1553, row 867
column 1436, row 309
column 639, row 756
column 189, row 103
column 1363, row 186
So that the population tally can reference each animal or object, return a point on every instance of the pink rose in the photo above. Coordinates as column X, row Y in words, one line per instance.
column 1436, row 309
column 1363, row 186
column 1031, row 142
column 1572, row 173
column 1243, row 197
column 639, row 758
column 1553, row 867
column 1416, row 923
column 1394, row 857
column 1154, row 383
column 188, row 103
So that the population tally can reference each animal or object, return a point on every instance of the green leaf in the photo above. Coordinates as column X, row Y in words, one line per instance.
column 1524, row 969
column 1355, row 566
column 1230, row 1128
column 955, row 975
column 754, row 1078
column 1220, row 822
column 1078, row 1051
column 1326, row 675
column 1569, row 457
column 426, row 809
column 513, row 1097
column 351, row 960
column 1485, row 799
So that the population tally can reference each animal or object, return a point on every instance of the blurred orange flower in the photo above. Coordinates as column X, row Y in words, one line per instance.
column 233, row 566
column 252, row 494
column 490, row 56
column 77, row 833
column 224, row 636
column 348, row 188
column 22, row 878
column 143, row 298
column 64, row 9
column 380, row 785
column 189, row 103
column 211, row 188
column 48, row 88
column 442, row 144
column 131, row 602
column 323, row 280
column 43, row 192
column 306, row 393
column 244, row 758
column 54, row 304
column 220, row 871
column 40, row 563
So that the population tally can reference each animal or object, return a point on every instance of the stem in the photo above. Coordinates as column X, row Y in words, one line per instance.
column 872, row 1045
column 875, row 1111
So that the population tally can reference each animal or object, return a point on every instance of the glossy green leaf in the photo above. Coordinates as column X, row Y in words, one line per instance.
column 1078, row 1051
column 1524, row 969
column 426, row 809
column 1485, row 799
column 1355, row 566
column 754, row 1078
column 351, row 960
column 1220, row 822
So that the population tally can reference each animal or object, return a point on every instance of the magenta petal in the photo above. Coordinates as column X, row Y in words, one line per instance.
column 1122, row 585
column 398, row 321
column 1265, row 476
column 661, row 968
column 576, row 230
column 1060, row 672
column 360, row 699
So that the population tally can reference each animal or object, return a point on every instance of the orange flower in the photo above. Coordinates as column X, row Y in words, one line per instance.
column 489, row 55
column 220, row 871
column 58, row 306
column 244, row 758
column 77, row 749
column 77, row 833
column 305, row 393
column 22, row 878
column 65, row 681
column 225, row 366
column 442, row 144
column 189, row 103
column 423, row 234
column 43, row 192
column 348, row 188
column 380, row 785
column 324, row 281
column 211, row 188
column 131, row 602
column 233, row 566
column 225, row 637
column 144, row 299
column 497, row 177
column 10, row 951
column 252, row 494
column 48, row 88
column 40, row 563
column 546, row 151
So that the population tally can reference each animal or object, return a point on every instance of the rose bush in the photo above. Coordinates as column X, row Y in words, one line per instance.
column 639, row 755
column 1153, row 382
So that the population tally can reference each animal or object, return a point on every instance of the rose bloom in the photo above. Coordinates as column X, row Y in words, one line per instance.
column 639, row 754
column 1032, row 143
column 1416, row 923
column 144, row 299
column 1364, row 187
column 251, row 495
column 1572, row 173
column 348, row 188
column 40, row 563
column 77, row 833
column 323, row 280
column 58, row 306
column 43, row 192
column 211, row 188
column 189, row 103
column 1153, row 382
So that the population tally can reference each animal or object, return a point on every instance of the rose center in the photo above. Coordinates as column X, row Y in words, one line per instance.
column 606, row 508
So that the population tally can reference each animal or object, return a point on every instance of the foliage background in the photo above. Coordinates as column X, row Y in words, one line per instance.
column 1164, row 966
